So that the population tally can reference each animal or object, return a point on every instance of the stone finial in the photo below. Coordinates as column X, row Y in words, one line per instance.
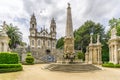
column 91, row 38
column 52, row 21
column 4, row 23
column 33, row 15
column 11, row 24
column 113, row 32
column 68, row 4
column 98, row 38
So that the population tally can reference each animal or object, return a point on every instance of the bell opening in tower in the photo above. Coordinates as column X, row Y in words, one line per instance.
column 32, row 25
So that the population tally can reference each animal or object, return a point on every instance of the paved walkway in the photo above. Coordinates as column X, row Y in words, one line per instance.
column 34, row 72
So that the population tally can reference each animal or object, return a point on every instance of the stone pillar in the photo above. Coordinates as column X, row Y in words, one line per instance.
column 109, row 53
column 4, row 46
column 95, row 56
column 115, row 55
column 69, row 37
column 23, row 55
column 86, row 57
column 91, row 39
column 98, row 39
column 98, row 56
column 90, row 55
column 119, row 56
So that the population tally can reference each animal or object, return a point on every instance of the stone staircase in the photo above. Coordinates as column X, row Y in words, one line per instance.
column 71, row 67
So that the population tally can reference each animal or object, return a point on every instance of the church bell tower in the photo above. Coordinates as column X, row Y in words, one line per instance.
column 53, row 28
column 33, row 31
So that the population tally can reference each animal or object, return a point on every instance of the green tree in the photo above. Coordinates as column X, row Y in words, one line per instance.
column 82, row 34
column 105, row 52
column 60, row 43
column 114, row 23
column 15, row 36
column 80, row 55
column 82, row 37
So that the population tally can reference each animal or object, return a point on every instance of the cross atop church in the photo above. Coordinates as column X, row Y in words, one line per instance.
column 68, row 4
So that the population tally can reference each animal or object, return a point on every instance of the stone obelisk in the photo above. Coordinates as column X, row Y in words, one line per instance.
column 69, row 37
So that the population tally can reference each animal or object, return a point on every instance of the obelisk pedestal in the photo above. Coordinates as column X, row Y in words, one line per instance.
column 69, row 38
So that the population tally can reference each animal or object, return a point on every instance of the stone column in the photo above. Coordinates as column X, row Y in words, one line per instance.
column 90, row 55
column 115, row 54
column 95, row 56
column 109, row 53
column 86, row 57
column 98, row 56
column 119, row 56
column 91, row 39
column 4, row 46
column 112, row 53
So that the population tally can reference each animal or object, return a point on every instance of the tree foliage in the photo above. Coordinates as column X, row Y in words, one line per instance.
column 80, row 55
column 60, row 43
column 29, row 59
column 9, row 58
column 114, row 23
column 82, row 34
column 15, row 36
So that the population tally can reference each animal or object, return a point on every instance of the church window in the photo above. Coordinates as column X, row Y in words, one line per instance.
column 53, row 29
column 38, row 42
column 33, row 42
column 33, row 25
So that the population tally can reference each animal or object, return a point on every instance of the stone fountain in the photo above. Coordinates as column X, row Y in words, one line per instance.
column 67, row 63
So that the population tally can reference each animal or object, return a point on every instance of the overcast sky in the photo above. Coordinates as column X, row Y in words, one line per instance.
column 18, row 12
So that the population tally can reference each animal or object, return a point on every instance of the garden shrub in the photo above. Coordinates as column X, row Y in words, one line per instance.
column 29, row 59
column 9, row 58
column 108, row 65
column 29, row 54
column 111, row 65
column 9, row 62
column 10, row 67
column 117, row 65
column 80, row 55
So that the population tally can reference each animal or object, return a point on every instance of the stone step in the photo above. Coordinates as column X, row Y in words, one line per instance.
column 71, row 67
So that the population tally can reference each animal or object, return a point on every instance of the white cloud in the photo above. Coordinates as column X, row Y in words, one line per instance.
column 18, row 12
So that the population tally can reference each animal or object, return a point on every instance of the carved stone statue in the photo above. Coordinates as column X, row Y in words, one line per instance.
column 98, row 38
column 113, row 32
column 91, row 38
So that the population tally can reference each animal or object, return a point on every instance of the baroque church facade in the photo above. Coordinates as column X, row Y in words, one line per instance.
column 42, row 40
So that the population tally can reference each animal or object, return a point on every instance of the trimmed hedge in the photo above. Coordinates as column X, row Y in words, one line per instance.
column 111, row 65
column 9, row 58
column 9, row 62
column 10, row 67
column 29, row 59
